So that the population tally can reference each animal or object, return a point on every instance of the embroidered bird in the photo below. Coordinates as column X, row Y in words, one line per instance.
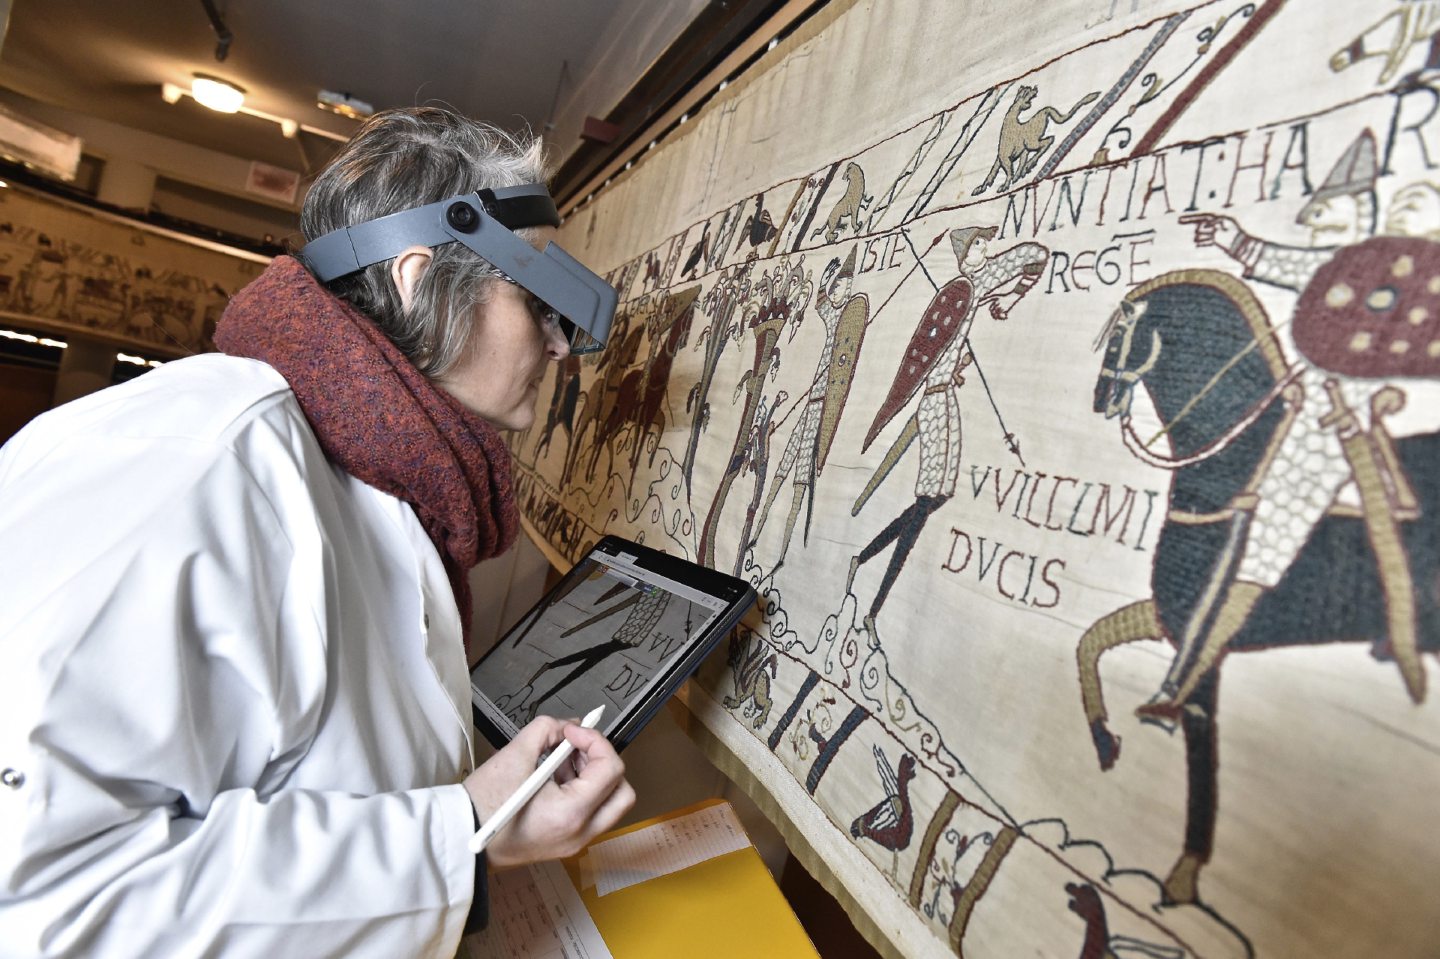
column 890, row 822
column 759, row 227
column 762, row 228
column 698, row 253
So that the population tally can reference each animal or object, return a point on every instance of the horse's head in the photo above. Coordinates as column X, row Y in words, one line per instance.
column 1129, row 355
column 629, row 347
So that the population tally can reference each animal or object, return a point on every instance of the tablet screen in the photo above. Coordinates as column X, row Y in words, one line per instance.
column 614, row 631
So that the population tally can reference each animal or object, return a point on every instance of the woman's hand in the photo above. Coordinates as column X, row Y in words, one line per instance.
column 587, row 797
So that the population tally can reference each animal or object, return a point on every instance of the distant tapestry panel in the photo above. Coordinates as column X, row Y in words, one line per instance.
column 1064, row 377
column 71, row 271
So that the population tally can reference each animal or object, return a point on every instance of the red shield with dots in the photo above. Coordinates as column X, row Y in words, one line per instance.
column 1374, row 310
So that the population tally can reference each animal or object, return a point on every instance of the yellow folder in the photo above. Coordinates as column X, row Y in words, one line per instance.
column 723, row 907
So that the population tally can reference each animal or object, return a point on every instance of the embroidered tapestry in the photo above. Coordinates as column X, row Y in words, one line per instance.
column 67, row 270
column 1064, row 377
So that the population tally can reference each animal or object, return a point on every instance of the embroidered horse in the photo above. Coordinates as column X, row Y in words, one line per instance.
column 562, row 404
column 639, row 406
column 1201, row 346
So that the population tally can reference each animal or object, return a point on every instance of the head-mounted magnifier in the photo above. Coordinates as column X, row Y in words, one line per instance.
column 483, row 221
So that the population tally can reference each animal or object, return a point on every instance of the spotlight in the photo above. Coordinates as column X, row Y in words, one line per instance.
column 217, row 94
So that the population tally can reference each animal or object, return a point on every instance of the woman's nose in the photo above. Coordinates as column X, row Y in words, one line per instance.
column 557, row 344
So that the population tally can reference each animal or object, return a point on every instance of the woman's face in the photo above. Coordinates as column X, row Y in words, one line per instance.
column 498, row 377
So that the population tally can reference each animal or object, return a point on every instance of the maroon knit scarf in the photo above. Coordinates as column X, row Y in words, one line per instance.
column 379, row 418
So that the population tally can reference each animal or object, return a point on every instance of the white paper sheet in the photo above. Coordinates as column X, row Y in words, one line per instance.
column 665, row 847
column 535, row 913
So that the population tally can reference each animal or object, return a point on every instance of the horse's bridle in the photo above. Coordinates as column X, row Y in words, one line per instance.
column 1126, row 322
column 1142, row 451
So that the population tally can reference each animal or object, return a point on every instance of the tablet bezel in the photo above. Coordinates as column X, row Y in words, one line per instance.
column 738, row 595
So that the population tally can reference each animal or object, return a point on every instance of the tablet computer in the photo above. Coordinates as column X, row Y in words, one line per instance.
column 624, row 628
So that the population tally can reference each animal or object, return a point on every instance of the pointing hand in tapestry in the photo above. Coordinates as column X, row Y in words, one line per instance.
column 1214, row 230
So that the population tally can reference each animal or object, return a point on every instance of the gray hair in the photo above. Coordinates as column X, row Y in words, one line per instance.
column 401, row 159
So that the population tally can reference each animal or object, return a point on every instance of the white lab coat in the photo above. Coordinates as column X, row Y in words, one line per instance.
column 236, row 708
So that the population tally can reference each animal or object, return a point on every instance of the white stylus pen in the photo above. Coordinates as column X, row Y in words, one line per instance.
column 542, row 774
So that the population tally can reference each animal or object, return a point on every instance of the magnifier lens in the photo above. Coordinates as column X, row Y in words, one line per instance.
column 580, row 341
column 552, row 275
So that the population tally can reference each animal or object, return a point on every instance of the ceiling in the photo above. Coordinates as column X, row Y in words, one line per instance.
column 515, row 63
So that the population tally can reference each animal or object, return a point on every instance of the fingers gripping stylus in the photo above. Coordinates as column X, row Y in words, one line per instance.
column 542, row 774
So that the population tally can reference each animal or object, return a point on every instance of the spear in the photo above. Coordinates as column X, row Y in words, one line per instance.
column 803, row 397
column 918, row 265
column 912, row 428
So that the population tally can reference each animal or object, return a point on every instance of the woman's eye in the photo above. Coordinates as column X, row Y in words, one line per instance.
column 545, row 314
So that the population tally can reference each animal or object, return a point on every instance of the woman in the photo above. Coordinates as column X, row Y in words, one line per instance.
column 234, row 590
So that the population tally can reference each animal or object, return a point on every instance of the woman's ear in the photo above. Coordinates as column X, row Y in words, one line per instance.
column 407, row 268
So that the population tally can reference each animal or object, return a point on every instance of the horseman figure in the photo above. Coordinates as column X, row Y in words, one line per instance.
column 1336, row 438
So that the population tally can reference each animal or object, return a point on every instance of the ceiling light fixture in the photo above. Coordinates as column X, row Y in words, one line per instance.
column 344, row 104
column 226, row 97
column 219, row 95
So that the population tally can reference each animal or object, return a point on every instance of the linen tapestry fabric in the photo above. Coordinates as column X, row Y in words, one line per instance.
column 71, row 271
column 1064, row 376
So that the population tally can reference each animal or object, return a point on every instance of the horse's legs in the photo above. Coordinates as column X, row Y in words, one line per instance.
column 640, row 435
column 658, row 422
column 1205, row 636
column 602, row 440
column 609, row 447
column 1202, row 765
column 572, row 450
column 1125, row 625
column 989, row 178
column 1240, row 599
